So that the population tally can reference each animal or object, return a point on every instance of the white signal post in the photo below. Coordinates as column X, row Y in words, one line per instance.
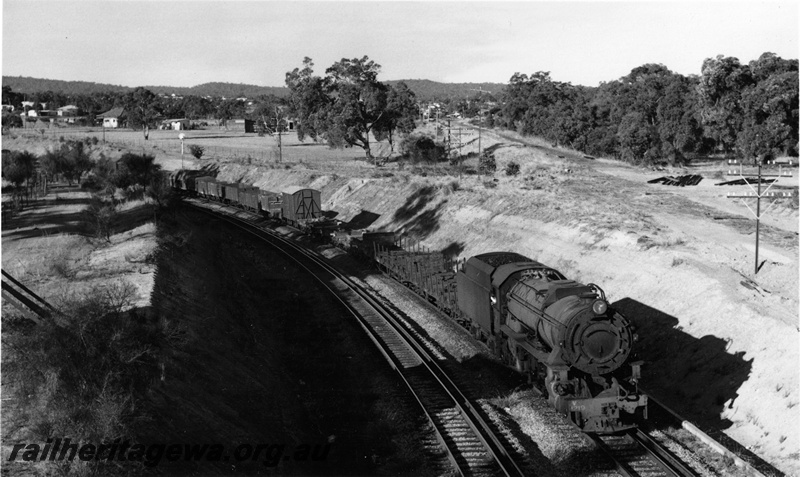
column 758, row 195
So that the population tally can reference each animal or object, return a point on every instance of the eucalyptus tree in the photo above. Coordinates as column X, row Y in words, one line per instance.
column 349, row 106
column 722, row 82
column 143, row 108
column 770, row 109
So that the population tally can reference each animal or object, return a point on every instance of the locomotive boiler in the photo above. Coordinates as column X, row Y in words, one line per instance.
column 559, row 330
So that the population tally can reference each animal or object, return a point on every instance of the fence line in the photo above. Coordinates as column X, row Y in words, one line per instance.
column 266, row 154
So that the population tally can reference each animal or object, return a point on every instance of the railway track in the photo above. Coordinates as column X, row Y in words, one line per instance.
column 635, row 454
column 468, row 439
column 471, row 441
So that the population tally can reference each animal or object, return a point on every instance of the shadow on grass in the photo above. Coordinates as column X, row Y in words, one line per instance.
column 696, row 377
column 412, row 218
column 32, row 225
column 362, row 220
column 415, row 203
column 453, row 250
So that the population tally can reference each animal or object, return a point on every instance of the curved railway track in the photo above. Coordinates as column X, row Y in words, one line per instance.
column 469, row 438
column 471, row 445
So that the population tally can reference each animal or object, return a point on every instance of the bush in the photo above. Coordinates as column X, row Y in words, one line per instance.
column 159, row 190
column 417, row 148
column 134, row 173
column 99, row 218
column 512, row 169
column 487, row 164
column 71, row 159
column 196, row 151
column 86, row 373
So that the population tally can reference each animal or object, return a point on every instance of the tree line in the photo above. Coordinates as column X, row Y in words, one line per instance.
column 76, row 88
column 655, row 115
column 190, row 107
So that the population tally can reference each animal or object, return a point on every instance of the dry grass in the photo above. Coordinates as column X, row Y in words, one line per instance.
column 56, row 256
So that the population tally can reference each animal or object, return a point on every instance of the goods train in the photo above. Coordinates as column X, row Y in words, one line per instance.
column 295, row 205
column 560, row 333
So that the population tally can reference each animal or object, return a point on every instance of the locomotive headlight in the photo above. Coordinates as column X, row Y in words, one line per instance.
column 599, row 307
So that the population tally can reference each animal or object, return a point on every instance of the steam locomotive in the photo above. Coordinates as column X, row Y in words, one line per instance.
column 562, row 334
column 557, row 330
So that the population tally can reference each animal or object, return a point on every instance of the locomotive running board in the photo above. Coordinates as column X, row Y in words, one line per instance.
column 521, row 340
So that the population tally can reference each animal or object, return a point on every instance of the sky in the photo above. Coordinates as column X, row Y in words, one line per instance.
column 190, row 42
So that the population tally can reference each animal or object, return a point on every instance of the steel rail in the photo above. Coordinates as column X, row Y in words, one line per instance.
column 665, row 457
column 482, row 430
column 658, row 461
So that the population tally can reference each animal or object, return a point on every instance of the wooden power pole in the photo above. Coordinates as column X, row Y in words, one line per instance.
column 758, row 194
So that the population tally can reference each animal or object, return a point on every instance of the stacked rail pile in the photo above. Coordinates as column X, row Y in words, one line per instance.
column 687, row 180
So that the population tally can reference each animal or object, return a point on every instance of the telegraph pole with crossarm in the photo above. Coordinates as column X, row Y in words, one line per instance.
column 480, row 117
column 758, row 195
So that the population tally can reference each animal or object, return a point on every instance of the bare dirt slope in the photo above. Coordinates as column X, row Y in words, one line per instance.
column 721, row 344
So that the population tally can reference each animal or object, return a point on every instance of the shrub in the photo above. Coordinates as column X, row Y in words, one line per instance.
column 99, row 218
column 135, row 172
column 417, row 148
column 58, row 254
column 455, row 186
column 159, row 190
column 86, row 373
column 71, row 159
column 196, row 151
column 512, row 169
column 487, row 164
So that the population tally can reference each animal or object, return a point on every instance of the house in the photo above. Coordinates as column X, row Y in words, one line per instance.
column 113, row 118
column 42, row 113
column 236, row 124
column 69, row 110
column 175, row 124
column 31, row 103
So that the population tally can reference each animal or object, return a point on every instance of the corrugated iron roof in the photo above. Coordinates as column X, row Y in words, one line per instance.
column 112, row 113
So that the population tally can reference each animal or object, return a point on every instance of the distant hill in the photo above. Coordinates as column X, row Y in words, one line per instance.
column 425, row 90
column 24, row 84
column 218, row 89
